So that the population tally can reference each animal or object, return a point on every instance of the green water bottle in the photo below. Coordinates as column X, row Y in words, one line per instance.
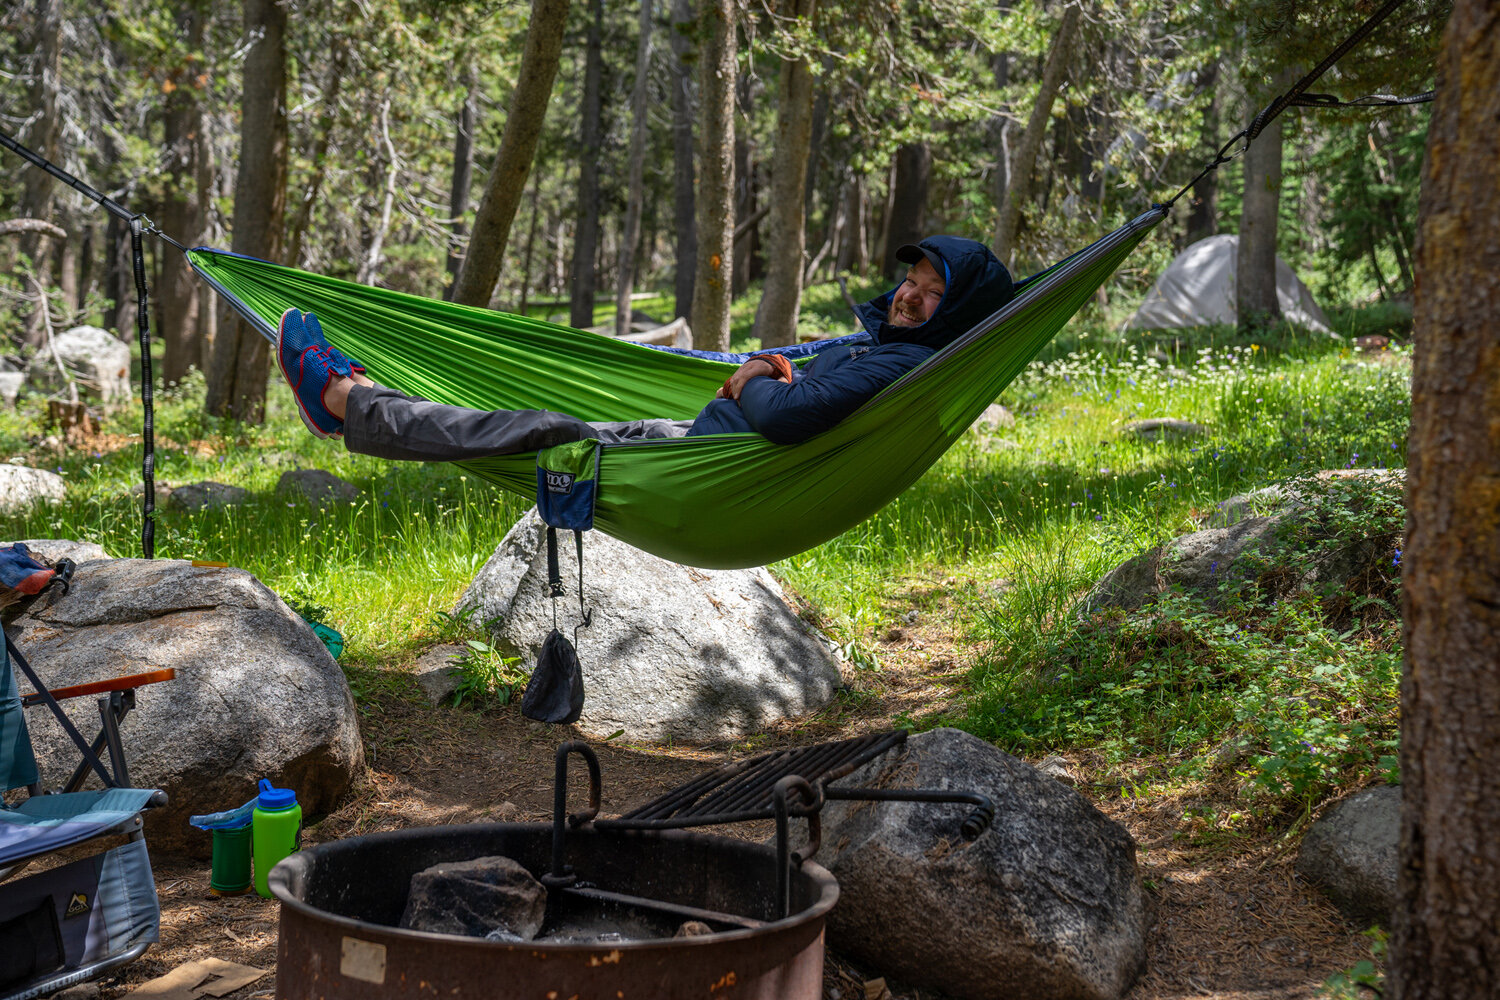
column 276, row 826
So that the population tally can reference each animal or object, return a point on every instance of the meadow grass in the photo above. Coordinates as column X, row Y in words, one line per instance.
column 1014, row 525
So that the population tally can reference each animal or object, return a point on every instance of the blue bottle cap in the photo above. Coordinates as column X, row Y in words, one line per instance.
column 275, row 798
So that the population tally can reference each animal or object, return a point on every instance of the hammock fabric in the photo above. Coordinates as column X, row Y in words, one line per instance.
column 717, row 501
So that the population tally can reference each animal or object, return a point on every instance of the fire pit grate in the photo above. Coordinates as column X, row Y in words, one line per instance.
column 744, row 790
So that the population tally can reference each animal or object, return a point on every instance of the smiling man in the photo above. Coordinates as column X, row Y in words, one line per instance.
column 951, row 285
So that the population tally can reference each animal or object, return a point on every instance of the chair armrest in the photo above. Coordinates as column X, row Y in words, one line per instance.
column 103, row 687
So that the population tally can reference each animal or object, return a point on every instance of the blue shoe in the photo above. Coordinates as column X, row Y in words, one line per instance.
column 308, row 363
column 316, row 330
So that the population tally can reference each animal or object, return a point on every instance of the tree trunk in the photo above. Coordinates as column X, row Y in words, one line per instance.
column 1023, row 163
column 853, row 252
column 1203, row 216
column 636, row 190
column 776, row 317
column 1446, row 940
column 177, row 295
column 237, row 373
column 507, row 181
column 370, row 266
column 715, row 204
column 907, row 222
column 36, row 193
column 585, row 274
column 1000, row 127
column 463, row 171
column 322, row 135
column 745, row 207
column 1255, row 267
column 682, row 156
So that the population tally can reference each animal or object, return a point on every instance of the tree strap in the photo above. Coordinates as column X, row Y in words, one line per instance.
column 1298, row 97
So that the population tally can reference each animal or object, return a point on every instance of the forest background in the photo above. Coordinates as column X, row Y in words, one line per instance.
column 600, row 150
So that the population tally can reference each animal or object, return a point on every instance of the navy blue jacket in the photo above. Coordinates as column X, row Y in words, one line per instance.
column 839, row 380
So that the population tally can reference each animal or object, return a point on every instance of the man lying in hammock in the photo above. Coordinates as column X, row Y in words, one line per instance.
column 952, row 285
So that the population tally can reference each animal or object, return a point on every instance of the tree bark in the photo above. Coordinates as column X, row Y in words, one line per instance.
column 776, row 316
column 636, row 189
column 507, row 181
column 238, row 370
column 585, row 274
column 1023, row 163
column 907, row 221
column 463, row 171
column 1255, row 267
column 36, row 192
column 746, row 200
column 853, row 251
column 322, row 136
column 683, row 55
column 1446, row 940
column 370, row 265
column 715, row 203
column 1203, row 215
column 177, row 295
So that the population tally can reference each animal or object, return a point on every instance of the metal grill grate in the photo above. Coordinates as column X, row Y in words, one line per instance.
column 741, row 791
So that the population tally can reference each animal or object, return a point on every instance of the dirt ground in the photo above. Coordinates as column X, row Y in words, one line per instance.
column 1231, row 924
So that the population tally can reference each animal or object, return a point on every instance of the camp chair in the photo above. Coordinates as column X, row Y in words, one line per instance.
column 79, row 919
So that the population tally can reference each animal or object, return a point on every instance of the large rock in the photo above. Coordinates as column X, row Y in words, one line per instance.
column 484, row 897
column 1047, row 904
column 256, row 693
column 96, row 358
column 672, row 651
column 1284, row 549
column 1352, row 854
column 21, row 486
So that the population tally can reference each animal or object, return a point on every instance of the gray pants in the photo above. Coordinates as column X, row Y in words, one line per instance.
column 390, row 424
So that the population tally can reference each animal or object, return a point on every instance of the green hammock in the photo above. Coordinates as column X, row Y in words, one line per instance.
column 717, row 501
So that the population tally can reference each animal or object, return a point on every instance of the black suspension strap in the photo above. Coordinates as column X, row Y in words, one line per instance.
column 148, row 420
column 139, row 225
column 555, row 587
column 1297, row 96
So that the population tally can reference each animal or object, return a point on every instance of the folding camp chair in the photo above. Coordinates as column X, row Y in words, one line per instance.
column 79, row 919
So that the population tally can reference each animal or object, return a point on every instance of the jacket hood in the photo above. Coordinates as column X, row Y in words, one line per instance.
column 977, row 285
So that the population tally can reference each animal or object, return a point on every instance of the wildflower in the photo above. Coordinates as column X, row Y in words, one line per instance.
column 1098, row 517
column 1213, row 567
column 1397, row 561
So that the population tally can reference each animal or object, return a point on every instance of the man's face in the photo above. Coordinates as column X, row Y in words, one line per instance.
column 917, row 297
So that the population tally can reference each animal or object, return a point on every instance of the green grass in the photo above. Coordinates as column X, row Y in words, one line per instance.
column 1304, row 699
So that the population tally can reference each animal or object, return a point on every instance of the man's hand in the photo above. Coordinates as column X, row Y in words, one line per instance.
column 747, row 371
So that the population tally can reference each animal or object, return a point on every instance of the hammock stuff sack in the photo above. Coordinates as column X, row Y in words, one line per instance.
column 716, row 501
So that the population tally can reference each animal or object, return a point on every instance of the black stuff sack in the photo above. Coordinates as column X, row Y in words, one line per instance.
column 555, row 692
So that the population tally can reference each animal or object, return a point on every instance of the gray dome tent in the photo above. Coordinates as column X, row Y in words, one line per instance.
column 1197, row 289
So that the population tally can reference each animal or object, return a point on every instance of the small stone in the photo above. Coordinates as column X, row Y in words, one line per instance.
column 437, row 672
column 1164, row 429
column 10, row 387
column 316, row 486
column 1059, row 768
column 50, row 550
column 993, row 418
column 693, row 928
column 206, row 495
column 83, row 991
column 476, row 898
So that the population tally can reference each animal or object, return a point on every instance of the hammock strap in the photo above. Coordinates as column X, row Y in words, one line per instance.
column 1297, row 96
column 139, row 224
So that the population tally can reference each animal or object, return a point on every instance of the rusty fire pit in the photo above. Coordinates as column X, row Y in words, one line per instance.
column 764, row 906
column 341, row 903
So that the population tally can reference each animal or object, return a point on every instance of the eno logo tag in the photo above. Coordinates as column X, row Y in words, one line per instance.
column 559, row 482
